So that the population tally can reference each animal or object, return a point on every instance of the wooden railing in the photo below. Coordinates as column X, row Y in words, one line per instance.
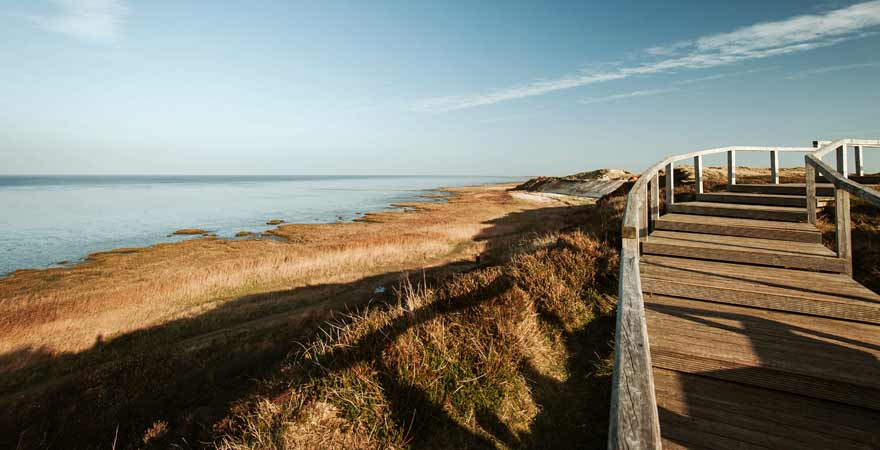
column 634, row 421
column 843, row 187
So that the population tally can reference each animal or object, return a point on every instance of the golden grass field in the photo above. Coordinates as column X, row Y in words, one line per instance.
column 467, row 324
column 68, row 309
column 113, row 329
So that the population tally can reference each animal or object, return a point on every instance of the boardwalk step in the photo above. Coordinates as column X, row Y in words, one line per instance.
column 697, row 412
column 766, row 349
column 866, row 179
column 796, row 291
column 762, row 212
column 748, row 198
column 764, row 252
column 729, row 226
column 822, row 189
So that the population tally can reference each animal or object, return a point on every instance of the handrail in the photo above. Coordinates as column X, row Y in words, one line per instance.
column 634, row 421
column 840, row 180
column 843, row 188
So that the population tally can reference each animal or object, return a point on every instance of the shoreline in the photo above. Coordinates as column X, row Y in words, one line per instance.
column 110, row 335
column 173, row 237
column 63, row 309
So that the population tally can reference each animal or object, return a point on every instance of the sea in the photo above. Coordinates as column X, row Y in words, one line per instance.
column 50, row 221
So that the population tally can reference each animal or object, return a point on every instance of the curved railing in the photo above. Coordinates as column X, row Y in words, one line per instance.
column 634, row 422
column 843, row 187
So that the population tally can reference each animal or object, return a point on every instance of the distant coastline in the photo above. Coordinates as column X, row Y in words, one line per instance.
column 43, row 238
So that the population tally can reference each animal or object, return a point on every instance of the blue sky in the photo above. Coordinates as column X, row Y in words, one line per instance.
column 495, row 88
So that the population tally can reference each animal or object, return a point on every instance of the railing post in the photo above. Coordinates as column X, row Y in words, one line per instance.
column 643, row 212
column 655, row 200
column 731, row 168
column 810, row 182
column 860, row 163
column 774, row 166
column 698, row 174
column 842, row 227
column 841, row 161
column 670, row 184
column 817, row 144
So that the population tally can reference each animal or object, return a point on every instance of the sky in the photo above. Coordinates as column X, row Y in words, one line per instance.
column 410, row 87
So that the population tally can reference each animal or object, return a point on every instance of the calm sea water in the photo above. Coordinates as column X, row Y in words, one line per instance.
column 48, row 219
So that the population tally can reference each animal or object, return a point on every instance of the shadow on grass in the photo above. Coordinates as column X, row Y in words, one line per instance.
column 188, row 372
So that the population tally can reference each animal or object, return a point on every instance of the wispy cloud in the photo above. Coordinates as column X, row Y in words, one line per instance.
column 720, row 76
column 94, row 21
column 642, row 93
column 821, row 70
column 759, row 41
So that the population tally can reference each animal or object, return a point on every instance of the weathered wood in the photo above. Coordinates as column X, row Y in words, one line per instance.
column 744, row 244
column 776, row 418
column 750, row 373
column 655, row 200
column 744, row 250
column 748, row 198
column 866, row 179
column 863, row 192
column 790, row 300
column 782, row 213
column 644, row 214
column 826, row 147
column 822, row 189
column 833, row 289
column 731, row 168
column 634, row 415
column 634, row 423
column 731, row 226
column 859, row 160
column 842, row 228
column 774, row 167
column 842, row 162
column 698, row 174
column 810, row 174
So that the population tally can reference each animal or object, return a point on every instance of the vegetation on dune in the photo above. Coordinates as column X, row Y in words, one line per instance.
column 865, row 240
column 513, row 355
column 184, row 329
column 65, row 309
column 503, row 339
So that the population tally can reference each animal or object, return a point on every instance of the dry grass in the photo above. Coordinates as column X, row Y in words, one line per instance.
column 865, row 240
column 67, row 309
column 493, row 358
column 159, row 341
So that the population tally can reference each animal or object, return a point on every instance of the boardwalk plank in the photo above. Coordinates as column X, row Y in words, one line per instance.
column 731, row 226
column 780, row 213
column 747, row 198
column 822, row 189
column 758, row 337
column 768, row 252
column 759, row 413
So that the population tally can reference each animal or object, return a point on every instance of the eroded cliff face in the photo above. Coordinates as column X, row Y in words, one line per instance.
column 594, row 184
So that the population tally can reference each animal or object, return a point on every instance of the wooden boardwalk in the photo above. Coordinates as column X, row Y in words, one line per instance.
column 752, row 346
column 757, row 336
